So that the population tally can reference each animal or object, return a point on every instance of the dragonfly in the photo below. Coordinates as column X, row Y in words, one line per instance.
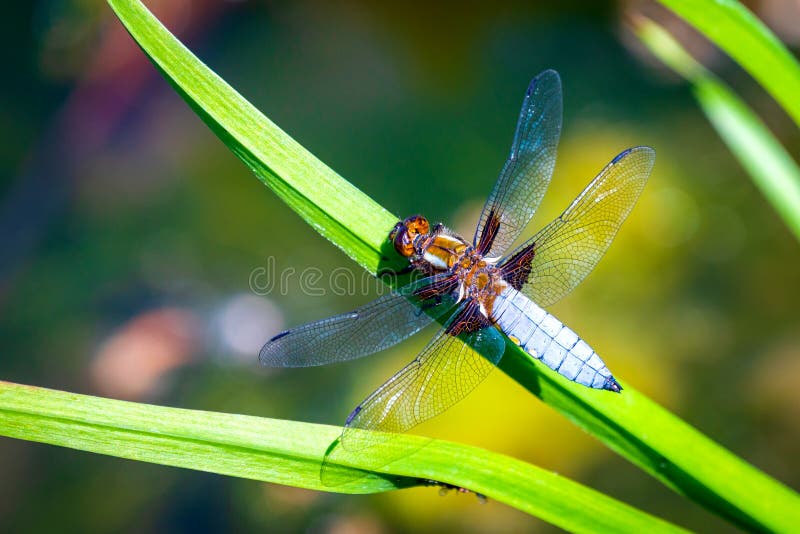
column 482, row 291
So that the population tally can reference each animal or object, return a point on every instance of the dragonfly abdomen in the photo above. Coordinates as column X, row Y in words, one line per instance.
column 544, row 337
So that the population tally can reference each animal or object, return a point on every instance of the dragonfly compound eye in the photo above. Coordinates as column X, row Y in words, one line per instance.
column 404, row 233
column 416, row 225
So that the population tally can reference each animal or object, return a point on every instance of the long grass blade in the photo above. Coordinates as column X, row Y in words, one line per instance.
column 291, row 453
column 770, row 166
column 737, row 31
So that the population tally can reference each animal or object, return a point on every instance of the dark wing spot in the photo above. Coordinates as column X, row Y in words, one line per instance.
column 469, row 320
column 445, row 286
column 489, row 233
column 516, row 269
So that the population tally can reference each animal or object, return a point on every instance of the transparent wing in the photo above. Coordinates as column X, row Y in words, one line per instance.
column 441, row 375
column 371, row 328
column 564, row 252
column 528, row 169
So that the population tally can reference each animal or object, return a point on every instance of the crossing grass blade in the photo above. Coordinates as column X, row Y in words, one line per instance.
column 736, row 30
column 768, row 163
column 291, row 453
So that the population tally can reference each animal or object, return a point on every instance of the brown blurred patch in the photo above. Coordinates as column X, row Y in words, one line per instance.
column 354, row 524
column 782, row 17
column 288, row 498
column 132, row 361
column 774, row 386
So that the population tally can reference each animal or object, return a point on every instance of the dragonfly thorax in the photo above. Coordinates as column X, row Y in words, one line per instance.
column 480, row 280
column 430, row 250
column 441, row 250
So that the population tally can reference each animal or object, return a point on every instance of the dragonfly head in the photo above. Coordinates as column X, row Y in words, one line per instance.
column 405, row 233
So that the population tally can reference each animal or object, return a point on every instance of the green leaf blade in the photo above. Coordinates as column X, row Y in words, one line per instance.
column 770, row 166
column 737, row 31
column 330, row 204
column 291, row 453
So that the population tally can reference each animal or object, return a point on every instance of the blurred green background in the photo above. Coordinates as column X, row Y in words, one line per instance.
column 131, row 237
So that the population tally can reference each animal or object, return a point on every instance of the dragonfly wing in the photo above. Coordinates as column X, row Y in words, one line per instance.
column 378, row 325
column 563, row 253
column 441, row 375
column 528, row 169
